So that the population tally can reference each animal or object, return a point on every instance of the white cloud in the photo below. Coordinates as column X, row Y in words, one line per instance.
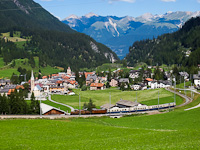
column 168, row 0
column 128, row 1
column 198, row 1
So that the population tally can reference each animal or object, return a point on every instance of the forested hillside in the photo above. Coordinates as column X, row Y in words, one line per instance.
column 55, row 43
column 181, row 47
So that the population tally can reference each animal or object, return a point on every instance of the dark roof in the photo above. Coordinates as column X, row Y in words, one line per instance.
column 123, row 80
column 134, row 71
column 196, row 76
column 4, row 90
column 107, row 106
column 94, row 77
column 127, row 103
column 12, row 86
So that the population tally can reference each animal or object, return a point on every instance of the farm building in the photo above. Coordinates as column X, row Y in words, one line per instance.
column 49, row 110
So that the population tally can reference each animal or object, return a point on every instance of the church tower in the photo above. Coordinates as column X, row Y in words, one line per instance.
column 32, row 82
column 69, row 72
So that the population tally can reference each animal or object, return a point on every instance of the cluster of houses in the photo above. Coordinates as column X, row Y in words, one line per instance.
column 61, row 83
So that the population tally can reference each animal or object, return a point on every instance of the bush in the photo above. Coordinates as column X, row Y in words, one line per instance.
column 84, row 88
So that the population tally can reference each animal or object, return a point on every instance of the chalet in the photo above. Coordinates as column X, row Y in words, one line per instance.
column 49, row 110
column 196, row 78
column 90, row 79
column 56, row 89
column 184, row 74
column 72, row 84
column 97, row 86
column 134, row 74
column 135, row 87
column 114, row 82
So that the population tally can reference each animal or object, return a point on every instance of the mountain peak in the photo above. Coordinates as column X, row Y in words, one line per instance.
column 91, row 14
column 72, row 17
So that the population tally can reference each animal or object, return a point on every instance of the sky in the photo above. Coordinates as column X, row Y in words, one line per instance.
column 120, row 8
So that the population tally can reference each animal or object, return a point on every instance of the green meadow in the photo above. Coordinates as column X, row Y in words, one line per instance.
column 175, row 130
column 101, row 97
column 8, row 70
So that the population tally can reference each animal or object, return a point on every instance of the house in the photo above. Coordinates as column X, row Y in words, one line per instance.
column 135, row 87
column 37, row 91
column 49, row 110
column 125, row 81
column 114, row 82
column 184, row 74
column 134, row 74
column 90, row 79
column 196, row 78
column 154, row 85
column 72, row 84
column 97, row 86
column 56, row 89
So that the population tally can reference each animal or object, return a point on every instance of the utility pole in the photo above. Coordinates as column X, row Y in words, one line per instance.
column 191, row 84
column 158, row 100
column 79, row 105
column 109, row 102
column 184, row 86
column 175, row 91
column 136, row 96
column 40, row 109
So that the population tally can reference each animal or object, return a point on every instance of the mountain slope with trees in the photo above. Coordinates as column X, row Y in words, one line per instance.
column 181, row 47
column 55, row 43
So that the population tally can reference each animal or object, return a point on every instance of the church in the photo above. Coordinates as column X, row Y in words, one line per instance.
column 35, row 89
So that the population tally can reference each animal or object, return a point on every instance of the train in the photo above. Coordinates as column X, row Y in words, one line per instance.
column 116, row 109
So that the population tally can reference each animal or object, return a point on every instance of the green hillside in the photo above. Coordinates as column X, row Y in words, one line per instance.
column 38, row 33
column 101, row 97
column 181, row 47
column 8, row 70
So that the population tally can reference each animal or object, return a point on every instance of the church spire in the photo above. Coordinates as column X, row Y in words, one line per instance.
column 32, row 82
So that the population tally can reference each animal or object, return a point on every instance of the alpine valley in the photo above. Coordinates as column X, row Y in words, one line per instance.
column 119, row 33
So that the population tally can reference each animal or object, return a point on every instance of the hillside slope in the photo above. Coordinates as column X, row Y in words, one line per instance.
column 55, row 43
column 181, row 47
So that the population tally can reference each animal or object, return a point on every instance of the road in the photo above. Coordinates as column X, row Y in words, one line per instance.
column 187, row 99
column 72, row 109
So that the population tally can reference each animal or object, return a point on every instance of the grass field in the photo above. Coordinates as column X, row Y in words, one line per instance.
column 174, row 130
column 101, row 97
column 24, row 64
column 64, row 108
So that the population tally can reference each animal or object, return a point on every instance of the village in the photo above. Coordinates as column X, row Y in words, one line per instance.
column 63, row 83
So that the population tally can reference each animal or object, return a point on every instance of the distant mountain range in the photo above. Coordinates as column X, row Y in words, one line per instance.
column 119, row 33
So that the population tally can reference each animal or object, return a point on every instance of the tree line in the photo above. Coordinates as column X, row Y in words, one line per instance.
column 15, row 104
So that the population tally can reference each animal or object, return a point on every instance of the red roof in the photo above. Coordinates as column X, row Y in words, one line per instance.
column 44, row 77
column 19, row 86
column 149, row 79
column 86, row 74
column 10, row 91
column 54, row 75
column 72, row 82
column 59, row 81
column 97, row 84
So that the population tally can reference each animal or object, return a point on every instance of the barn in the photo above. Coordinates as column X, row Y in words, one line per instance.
column 49, row 110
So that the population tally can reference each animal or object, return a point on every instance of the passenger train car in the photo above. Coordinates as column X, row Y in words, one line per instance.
column 116, row 109
column 140, row 108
